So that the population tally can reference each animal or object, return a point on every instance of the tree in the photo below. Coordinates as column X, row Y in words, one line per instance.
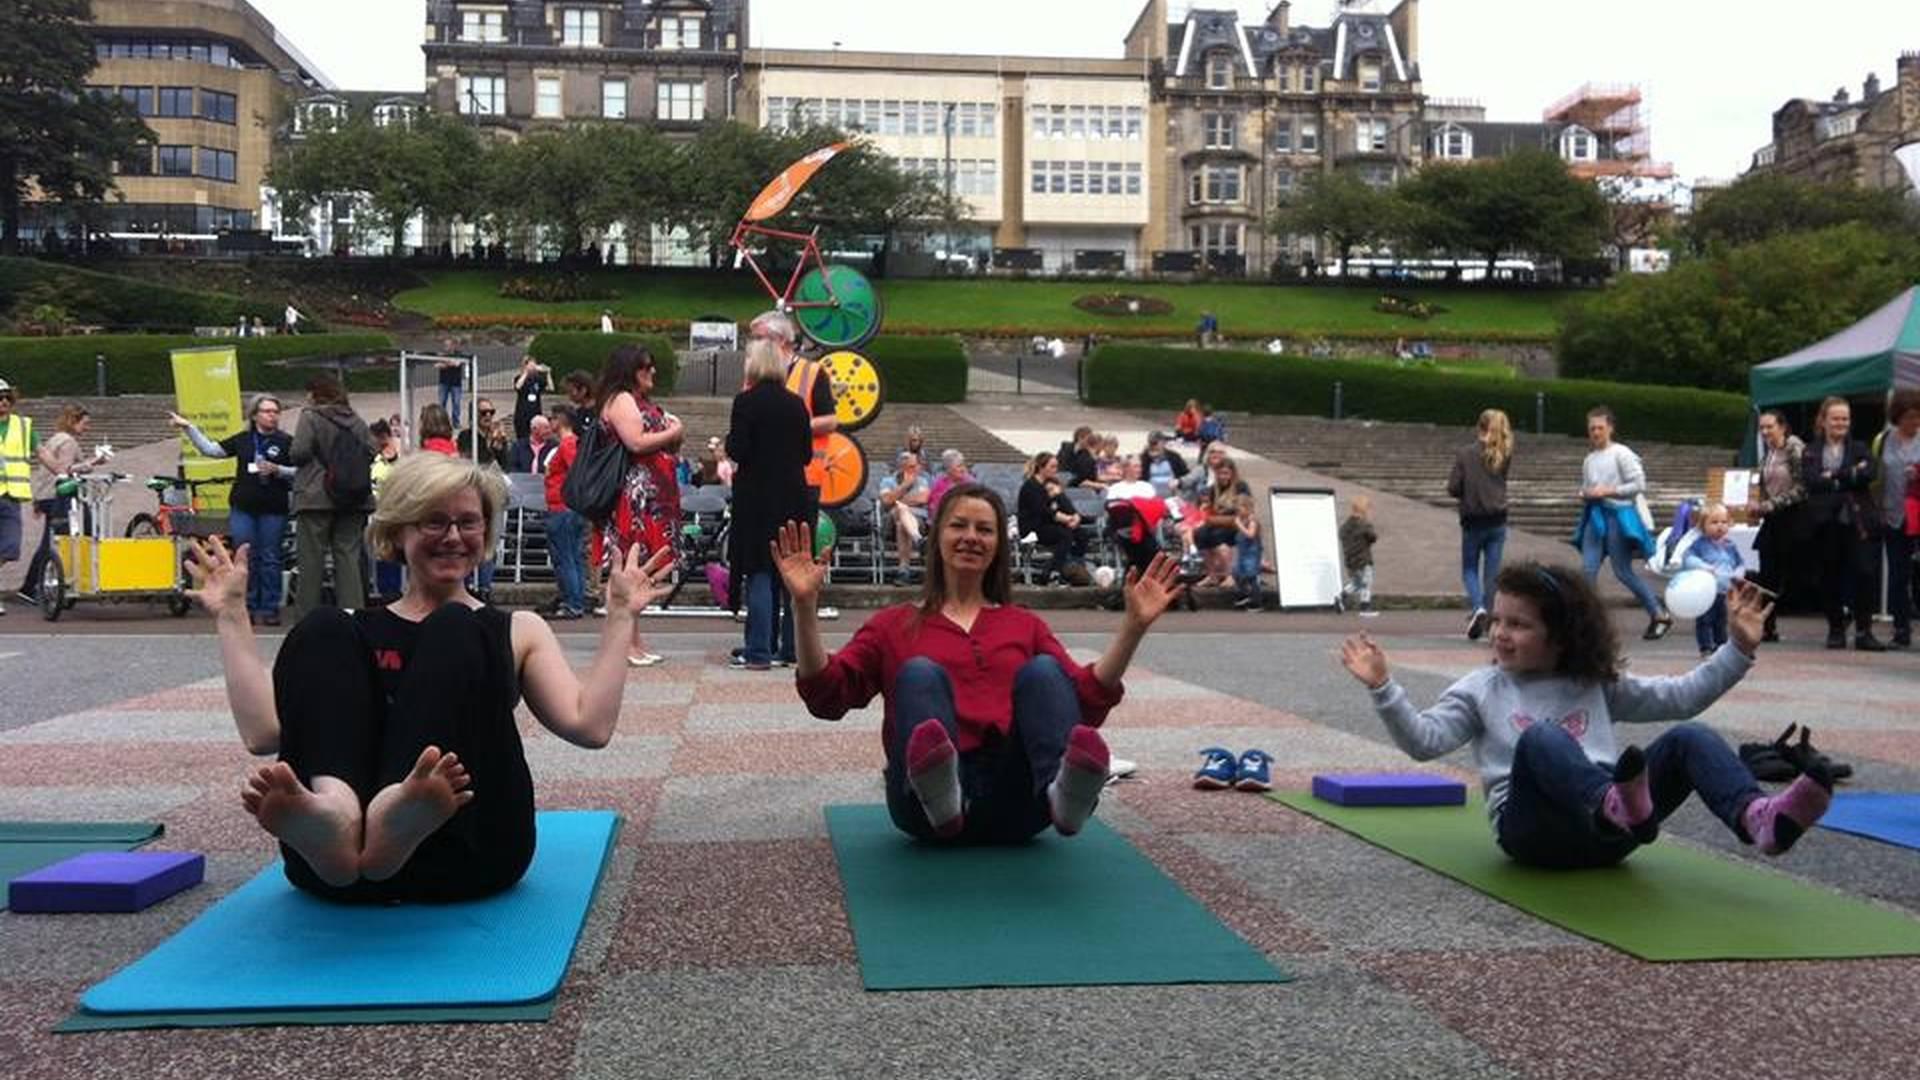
column 863, row 194
column 1762, row 206
column 55, row 137
column 1524, row 203
column 390, row 173
column 722, row 170
column 1345, row 209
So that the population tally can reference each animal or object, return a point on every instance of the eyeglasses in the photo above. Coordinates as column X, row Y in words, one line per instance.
column 438, row 525
column 486, row 412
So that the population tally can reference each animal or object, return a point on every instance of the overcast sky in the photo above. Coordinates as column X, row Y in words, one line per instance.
column 1713, row 71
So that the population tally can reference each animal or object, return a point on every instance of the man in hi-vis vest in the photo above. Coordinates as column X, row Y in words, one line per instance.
column 812, row 383
column 18, row 445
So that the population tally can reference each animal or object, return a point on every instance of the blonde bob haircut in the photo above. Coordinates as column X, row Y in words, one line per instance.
column 417, row 486
column 764, row 362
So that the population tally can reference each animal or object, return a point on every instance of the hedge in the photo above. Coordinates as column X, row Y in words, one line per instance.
column 564, row 352
column 1138, row 376
column 91, row 297
column 920, row 369
column 140, row 364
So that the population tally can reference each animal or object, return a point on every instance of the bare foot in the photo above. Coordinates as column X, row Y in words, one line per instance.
column 404, row 814
column 323, row 826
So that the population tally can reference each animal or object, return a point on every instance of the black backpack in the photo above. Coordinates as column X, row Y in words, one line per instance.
column 592, row 487
column 348, row 479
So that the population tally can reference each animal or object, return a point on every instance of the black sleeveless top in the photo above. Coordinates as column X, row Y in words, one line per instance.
column 392, row 639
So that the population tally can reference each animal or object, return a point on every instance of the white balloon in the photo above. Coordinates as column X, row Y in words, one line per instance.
column 1691, row 593
column 1103, row 577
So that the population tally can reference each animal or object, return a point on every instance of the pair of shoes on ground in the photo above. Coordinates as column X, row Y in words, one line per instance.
column 1478, row 623
column 1250, row 602
column 1220, row 769
column 737, row 660
column 645, row 660
column 1862, row 642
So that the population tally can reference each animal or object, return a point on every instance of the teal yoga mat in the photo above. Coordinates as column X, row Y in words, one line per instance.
column 1667, row 901
column 26, row 846
column 1085, row 911
column 305, row 957
column 1891, row 817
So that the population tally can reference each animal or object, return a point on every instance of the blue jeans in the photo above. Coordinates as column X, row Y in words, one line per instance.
column 767, row 605
column 1551, row 817
column 1005, row 783
column 564, row 537
column 1246, row 561
column 1480, row 549
column 450, row 401
column 265, row 532
column 1899, row 579
column 1615, row 549
column 1710, row 630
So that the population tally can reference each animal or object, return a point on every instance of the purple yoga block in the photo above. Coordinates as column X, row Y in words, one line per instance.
column 107, row 881
column 1389, row 789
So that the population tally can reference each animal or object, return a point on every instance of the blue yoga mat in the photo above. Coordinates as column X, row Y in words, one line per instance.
column 1887, row 816
column 268, row 946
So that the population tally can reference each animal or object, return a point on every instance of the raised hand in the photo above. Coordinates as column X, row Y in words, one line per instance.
column 219, row 577
column 178, row 421
column 1150, row 594
column 1365, row 660
column 800, row 572
column 1747, row 609
column 633, row 585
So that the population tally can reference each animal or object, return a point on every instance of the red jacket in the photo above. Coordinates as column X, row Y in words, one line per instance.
column 982, row 665
column 557, row 466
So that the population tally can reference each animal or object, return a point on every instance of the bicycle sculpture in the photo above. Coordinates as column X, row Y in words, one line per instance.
column 837, row 309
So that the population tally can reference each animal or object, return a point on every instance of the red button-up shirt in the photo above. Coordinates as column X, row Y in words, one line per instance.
column 982, row 664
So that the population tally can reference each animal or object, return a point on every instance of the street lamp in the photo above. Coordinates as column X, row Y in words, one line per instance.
column 947, row 175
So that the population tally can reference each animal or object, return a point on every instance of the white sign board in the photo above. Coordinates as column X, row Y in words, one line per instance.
column 714, row 335
column 1306, row 546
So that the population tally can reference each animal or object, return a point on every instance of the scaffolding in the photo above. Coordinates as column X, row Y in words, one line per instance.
column 1617, row 117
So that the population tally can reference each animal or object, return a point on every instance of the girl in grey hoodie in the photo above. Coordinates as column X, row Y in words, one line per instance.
column 1560, row 791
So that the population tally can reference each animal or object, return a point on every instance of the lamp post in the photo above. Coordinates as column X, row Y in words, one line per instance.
column 947, row 175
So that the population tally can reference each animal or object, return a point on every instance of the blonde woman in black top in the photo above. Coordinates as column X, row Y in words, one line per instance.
column 1479, row 482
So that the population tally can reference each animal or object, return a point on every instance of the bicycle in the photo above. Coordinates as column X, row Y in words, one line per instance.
column 834, row 305
column 174, row 496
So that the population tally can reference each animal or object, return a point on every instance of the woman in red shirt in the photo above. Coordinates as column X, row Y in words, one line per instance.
column 989, row 728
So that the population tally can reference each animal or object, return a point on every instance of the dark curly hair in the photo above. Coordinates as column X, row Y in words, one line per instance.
column 1575, row 619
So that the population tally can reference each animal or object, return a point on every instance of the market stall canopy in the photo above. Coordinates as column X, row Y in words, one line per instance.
column 1877, row 353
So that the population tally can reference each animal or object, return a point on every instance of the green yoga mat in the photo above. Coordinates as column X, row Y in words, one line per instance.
column 1667, row 901
column 1085, row 911
column 26, row 846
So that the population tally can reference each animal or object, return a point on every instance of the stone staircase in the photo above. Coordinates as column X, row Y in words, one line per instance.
column 1413, row 460
column 122, row 422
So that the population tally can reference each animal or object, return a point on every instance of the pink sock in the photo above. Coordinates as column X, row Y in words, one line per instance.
column 1629, row 803
column 933, row 771
column 1076, row 788
column 1775, row 822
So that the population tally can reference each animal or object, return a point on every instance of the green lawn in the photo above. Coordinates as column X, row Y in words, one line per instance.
column 1019, row 307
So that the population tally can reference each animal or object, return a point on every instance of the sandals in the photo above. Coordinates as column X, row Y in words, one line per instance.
column 1783, row 759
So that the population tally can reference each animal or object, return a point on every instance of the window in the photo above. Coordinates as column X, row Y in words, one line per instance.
column 966, row 120
column 1057, row 121
column 613, row 99
column 579, row 27
column 317, row 116
column 1281, row 74
column 1283, row 137
column 1370, row 75
column 1310, row 77
column 483, row 26
column 681, row 101
column 140, row 97
column 1309, row 137
column 1220, row 131
column 389, row 115
column 1283, row 184
column 890, row 118
column 1220, row 70
column 176, row 161
column 989, row 178
column 1076, row 121
column 1039, row 178
column 910, row 119
column 1223, row 184
column 174, row 101
column 483, row 95
column 219, row 107
column 777, row 113
column 546, row 99
column 679, row 32
column 1039, row 121
column 1577, row 144
column 1057, row 179
column 1216, row 238
column 139, row 163
column 216, row 164
column 1135, row 117
column 1370, row 136
column 1452, row 143
column 1377, row 176
column 986, row 119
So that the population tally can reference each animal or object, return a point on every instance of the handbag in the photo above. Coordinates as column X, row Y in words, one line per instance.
column 592, row 487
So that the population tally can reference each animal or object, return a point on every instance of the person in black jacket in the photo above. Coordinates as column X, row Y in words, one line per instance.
column 770, row 439
column 1051, row 519
column 1844, row 523
column 1161, row 464
column 1479, row 482
column 257, row 508
column 1076, row 459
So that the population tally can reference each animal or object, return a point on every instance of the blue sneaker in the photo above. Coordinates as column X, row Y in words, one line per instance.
column 1218, row 771
column 1254, row 772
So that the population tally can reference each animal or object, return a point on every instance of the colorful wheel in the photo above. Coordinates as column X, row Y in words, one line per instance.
column 837, row 307
column 857, row 389
column 846, row 468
